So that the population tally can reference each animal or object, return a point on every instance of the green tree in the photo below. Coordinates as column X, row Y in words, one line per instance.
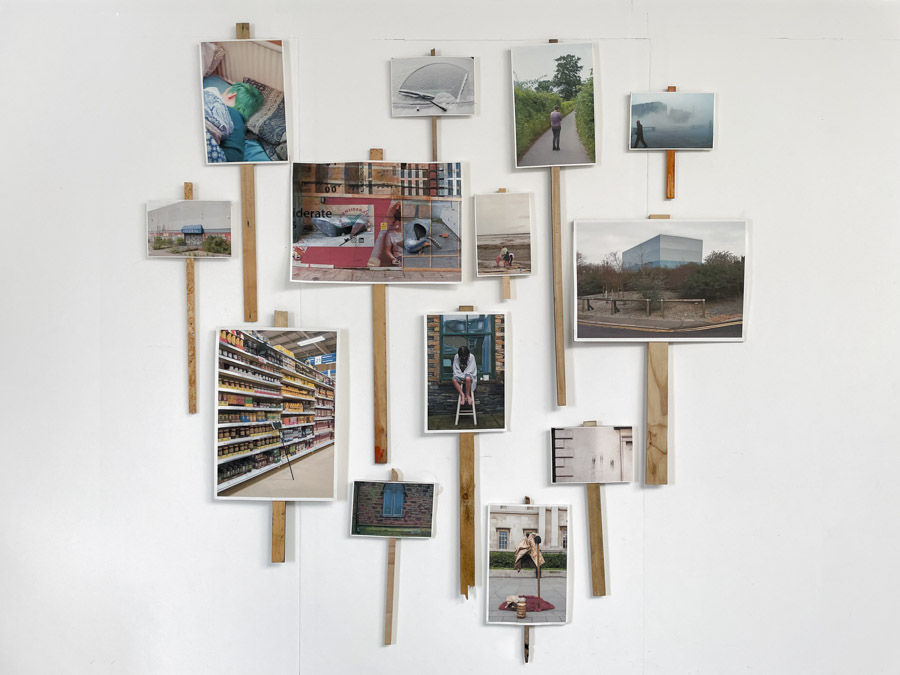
column 720, row 276
column 568, row 76
column 544, row 86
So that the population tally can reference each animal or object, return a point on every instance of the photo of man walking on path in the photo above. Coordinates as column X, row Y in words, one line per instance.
column 556, row 126
column 553, row 96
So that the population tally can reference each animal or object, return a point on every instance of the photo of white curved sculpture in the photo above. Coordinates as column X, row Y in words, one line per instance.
column 429, row 86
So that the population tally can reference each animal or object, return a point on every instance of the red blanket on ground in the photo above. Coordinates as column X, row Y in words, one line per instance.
column 531, row 604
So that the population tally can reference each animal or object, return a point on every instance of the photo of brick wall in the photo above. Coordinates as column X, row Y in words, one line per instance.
column 392, row 509
column 592, row 455
column 470, row 396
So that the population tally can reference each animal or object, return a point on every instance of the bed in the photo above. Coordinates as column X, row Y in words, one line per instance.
column 263, row 136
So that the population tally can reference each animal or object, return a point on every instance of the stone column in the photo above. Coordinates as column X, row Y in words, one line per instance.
column 554, row 527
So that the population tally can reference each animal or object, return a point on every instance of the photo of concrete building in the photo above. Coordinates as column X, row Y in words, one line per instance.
column 592, row 455
column 515, row 533
column 189, row 229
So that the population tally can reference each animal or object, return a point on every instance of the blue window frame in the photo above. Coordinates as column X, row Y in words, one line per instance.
column 393, row 500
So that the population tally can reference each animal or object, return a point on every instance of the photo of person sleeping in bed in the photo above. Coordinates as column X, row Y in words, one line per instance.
column 243, row 101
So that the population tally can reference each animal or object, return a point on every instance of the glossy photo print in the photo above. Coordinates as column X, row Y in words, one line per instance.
column 660, row 280
column 429, row 86
column 243, row 101
column 528, row 564
column 672, row 120
column 591, row 455
column 503, row 233
column 393, row 509
column 275, row 415
column 465, row 371
column 188, row 228
column 377, row 222
column 553, row 104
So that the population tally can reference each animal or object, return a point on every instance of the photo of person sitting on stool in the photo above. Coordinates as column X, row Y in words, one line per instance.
column 465, row 374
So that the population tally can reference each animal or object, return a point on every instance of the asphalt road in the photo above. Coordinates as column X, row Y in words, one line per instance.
column 571, row 151
column 614, row 332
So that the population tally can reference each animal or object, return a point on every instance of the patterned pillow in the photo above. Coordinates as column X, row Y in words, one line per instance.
column 269, row 122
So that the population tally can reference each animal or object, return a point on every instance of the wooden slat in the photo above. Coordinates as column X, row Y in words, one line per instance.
column 242, row 31
column 191, row 321
column 467, row 308
column 657, row 468
column 559, row 328
column 466, row 513
column 279, row 514
column 659, row 216
column 379, row 356
column 670, row 169
column 279, row 509
column 507, row 287
column 391, row 586
column 191, row 335
column 527, row 639
column 248, row 239
column 595, row 531
column 379, row 352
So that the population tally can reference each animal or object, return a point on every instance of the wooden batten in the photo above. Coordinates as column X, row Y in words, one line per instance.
column 434, row 130
column 248, row 218
column 379, row 357
column 670, row 168
column 279, row 509
column 657, row 456
column 391, row 585
column 559, row 328
column 189, row 272
column 466, row 504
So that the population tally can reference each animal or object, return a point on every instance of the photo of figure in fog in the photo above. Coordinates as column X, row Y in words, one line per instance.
column 672, row 121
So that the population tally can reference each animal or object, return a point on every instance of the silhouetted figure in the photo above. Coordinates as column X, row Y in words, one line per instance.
column 639, row 135
column 556, row 126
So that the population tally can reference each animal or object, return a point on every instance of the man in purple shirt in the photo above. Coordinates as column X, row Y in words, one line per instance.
column 556, row 126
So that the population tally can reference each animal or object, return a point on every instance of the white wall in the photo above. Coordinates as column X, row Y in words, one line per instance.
column 775, row 550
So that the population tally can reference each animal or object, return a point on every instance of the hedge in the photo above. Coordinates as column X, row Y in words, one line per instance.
column 506, row 560
column 533, row 116
column 584, row 116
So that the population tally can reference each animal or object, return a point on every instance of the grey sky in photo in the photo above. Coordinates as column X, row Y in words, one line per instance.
column 508, row 213
column 176, row 214
column 597, row 238
column 538, row 62
column 703, row 105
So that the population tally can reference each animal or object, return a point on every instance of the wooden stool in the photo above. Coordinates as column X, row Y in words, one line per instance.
column 470, row 413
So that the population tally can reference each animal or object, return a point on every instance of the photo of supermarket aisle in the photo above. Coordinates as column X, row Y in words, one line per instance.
column 275, row 414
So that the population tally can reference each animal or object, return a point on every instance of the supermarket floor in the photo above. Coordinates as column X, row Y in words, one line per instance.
column 313, row 477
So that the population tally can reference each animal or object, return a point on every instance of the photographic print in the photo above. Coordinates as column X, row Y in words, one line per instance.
column 503, row 233
column 465, row 372
column 242, row 95
column 377, row 222
column 528, row 548
column 591, row 455
column 275, row 416
column 393, row 509
column 429, row 86
column 671, row 120
column 188, row 228
column 660, row 280
column 553, row 100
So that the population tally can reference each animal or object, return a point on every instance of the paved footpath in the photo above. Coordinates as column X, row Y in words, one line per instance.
column 571, row 151
column 553, row 590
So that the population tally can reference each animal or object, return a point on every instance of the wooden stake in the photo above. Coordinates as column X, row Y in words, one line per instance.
column 506, row 280
column 434, row 130
column 279, row 509
column 670, row 169
column 528, row 628
column 559, row 329
column 595, row 534
column 248, row 217
column 191, row 321
column 379, row 356
column 391, row 586
column 466, row 504
column 657, row 467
